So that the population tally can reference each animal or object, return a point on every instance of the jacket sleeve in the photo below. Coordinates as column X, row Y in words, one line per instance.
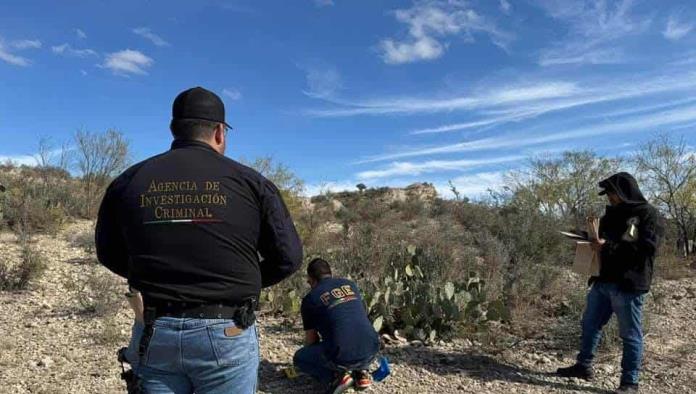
column 279, row 244
column 110, row 243
column 649, row 234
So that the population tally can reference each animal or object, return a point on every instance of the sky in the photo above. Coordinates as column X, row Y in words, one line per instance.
column 385, row 93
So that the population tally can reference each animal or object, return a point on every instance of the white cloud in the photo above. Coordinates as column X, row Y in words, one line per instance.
column 432, row 21
column 473, row 186
column 323, row 3
column 686, row 59
column 232, row 93
column 414, row 169
column 83, row 72
column 600, row 20
column 80, row 34
column 505, row 7
column 147, row 33
column 650, row 122
column 67, row 50
column 322, row 81
column 582, row 55
column 513, row 103
column 595, row 31
column 424, row 48
column 676, row 29
column 28, row 160
column 505, row 95
column 11, row 58
column 27, row 44
column 127, row 61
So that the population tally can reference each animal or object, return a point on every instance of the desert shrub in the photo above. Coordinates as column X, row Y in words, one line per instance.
column 96, row 291
column 83, row 239
column 109, row 333
column 669, row 266
column 14, row 277
column 410, row 208
column 32, row 204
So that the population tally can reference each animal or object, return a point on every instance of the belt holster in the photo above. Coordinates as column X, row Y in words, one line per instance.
column 149, row 316
column 133, row 383
column 245, row 315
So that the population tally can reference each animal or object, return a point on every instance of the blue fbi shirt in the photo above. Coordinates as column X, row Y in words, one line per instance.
column 335, row 309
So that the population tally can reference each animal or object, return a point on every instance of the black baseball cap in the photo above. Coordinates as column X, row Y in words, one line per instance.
column 199, row 103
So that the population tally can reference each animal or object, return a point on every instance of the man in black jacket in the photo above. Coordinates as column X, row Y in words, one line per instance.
column 199, row 235
column 630, row 232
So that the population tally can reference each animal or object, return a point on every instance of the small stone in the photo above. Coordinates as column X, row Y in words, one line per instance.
column 45, row 362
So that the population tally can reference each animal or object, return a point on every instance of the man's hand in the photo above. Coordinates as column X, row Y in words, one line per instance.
column 597, row 244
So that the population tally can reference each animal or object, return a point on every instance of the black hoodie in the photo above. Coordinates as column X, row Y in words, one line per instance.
column 632, row 230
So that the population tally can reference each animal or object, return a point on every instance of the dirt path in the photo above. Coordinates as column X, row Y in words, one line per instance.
column 48, row 346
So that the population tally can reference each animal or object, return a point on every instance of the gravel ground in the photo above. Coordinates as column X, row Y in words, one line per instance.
column 48, row 345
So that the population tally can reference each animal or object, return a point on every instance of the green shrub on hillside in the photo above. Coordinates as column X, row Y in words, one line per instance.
column 15, row 277
column 35, row 200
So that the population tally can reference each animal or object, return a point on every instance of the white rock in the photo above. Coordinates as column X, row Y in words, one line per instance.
column 45, row 362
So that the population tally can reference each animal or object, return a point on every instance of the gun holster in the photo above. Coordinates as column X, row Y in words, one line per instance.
column 133, row 384
column 245, row 315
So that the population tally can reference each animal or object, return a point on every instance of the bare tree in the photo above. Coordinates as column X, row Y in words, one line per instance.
column 668, row 170
column 99, row 158
column 45, row 152
column 565, row 186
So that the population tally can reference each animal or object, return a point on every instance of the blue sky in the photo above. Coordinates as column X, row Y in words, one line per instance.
column 379, row 92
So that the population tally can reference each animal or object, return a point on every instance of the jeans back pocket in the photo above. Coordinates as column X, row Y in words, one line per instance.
column 232, row 346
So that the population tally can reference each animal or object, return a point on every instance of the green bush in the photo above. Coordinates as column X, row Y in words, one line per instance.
column 36, row 200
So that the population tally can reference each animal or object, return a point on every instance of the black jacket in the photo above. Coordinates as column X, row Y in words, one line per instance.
column 633, row 231
column 190, row 225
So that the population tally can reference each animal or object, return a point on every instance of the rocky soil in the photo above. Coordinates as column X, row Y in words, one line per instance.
column 48, row 344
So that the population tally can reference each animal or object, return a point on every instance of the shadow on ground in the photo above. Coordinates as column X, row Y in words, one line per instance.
column 480, row 367
column 476, row 366
column 273, row 381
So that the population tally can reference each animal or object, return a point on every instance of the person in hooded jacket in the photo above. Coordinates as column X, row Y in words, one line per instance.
column 630, row 233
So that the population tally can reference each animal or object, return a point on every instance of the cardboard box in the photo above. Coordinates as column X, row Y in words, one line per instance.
column 586, row 261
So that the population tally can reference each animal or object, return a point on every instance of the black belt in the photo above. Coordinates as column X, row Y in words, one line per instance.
column 195, row 311
column 243, row 315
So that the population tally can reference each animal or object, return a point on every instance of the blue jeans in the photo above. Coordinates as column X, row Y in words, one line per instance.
column 603, row 300
column 312, row 360
column 195, row 355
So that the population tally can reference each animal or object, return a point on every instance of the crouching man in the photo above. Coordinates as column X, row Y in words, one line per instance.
column 340, row 342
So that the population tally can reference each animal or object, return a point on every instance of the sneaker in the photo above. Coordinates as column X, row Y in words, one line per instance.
column 363, row 380
column 627, row 388
column 576, row 371
column 342, row 383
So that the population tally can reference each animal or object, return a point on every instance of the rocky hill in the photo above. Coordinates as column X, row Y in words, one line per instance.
column 53, row 341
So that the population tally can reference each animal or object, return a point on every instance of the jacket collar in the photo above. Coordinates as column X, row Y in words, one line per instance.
column 178, row 144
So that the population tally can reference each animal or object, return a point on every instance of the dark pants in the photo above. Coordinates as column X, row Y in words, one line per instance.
column 312, row 360
column 603, row 300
